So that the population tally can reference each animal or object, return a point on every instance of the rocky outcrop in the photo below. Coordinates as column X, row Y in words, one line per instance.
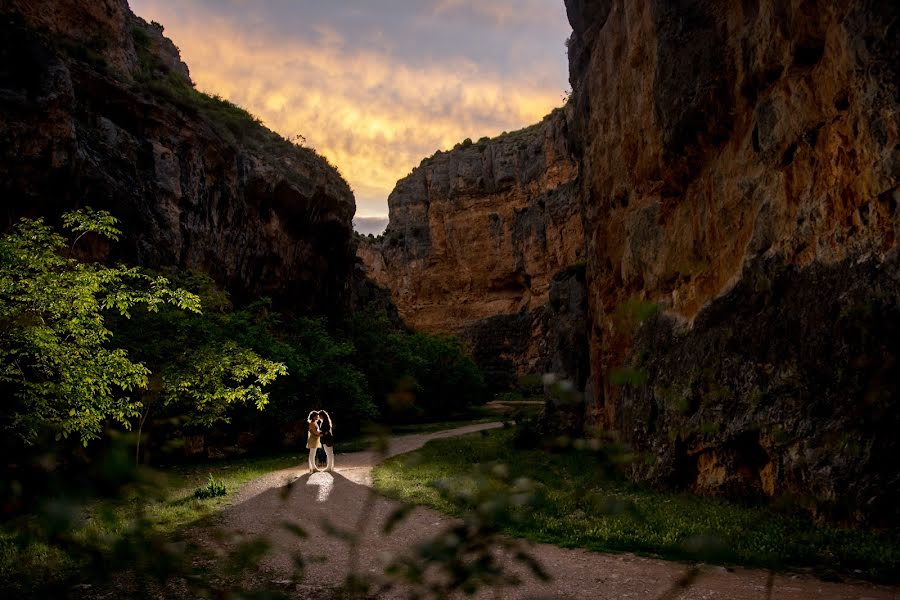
column 475, row 238
column 739, row 187
column 97, row 108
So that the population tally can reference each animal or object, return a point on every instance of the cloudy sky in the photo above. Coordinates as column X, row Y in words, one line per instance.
column 375, row 85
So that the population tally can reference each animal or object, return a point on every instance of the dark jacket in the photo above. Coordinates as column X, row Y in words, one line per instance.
column 327, row 438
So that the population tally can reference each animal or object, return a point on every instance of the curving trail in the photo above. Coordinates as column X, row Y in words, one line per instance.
column 343, row 499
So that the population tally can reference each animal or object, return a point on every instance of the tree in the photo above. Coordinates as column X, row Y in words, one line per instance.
column 414, row 375
column 57, row 358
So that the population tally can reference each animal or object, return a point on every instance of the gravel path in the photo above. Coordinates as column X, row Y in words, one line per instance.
column 344, row 500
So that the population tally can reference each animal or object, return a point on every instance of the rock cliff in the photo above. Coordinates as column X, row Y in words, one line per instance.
column 97, row 108
column 476, row 236
column 739, row 187
column 723, row 188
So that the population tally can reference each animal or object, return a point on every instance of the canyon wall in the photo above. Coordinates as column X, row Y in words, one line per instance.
column 97, row 109
column 705, row 237
column 739, row 185
column 477, row 235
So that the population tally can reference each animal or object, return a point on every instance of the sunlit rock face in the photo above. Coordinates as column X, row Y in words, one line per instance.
column 739, row 186
column 475, row 238
column 94, row 110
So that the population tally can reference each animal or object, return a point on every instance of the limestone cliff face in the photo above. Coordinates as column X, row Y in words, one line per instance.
column 97, row 108
column 475, row 238
column 739, row 186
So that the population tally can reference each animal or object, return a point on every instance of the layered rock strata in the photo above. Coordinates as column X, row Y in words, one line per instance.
column 475, row 238
column 97, row 108
column 740, row 176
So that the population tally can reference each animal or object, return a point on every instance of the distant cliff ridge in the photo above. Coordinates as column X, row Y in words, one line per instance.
column 475, row 238
column 97, row 108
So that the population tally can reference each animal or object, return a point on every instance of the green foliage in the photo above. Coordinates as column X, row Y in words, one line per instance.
column 116, row 531
column 583, row 504
column 88, row 220
column 628, row 376
column 213, row 361
column 414, row 375
column 87, row 50
column 212, row 489
column 322, row 374
column 56, row 357
column 215, row 378
column 634, row 311
column 469, row 555
column 113, row 530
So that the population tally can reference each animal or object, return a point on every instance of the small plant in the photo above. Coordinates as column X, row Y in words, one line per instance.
column 212, row 489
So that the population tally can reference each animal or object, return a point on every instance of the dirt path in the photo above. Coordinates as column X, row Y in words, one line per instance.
column 344, row 498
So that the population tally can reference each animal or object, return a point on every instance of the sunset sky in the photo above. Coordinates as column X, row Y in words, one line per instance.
column 375, row 85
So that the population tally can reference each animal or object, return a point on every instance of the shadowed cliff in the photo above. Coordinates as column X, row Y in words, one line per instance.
column 740, row 183
column 96, row 108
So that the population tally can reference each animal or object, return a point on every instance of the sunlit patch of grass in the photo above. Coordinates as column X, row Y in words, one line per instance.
column 581, row 509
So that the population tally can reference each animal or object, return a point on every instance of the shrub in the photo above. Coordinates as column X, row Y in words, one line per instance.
column 414, row 375
column 212, row 489
column 314, row 365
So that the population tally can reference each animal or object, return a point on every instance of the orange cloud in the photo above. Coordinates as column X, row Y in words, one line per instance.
column 373, row 116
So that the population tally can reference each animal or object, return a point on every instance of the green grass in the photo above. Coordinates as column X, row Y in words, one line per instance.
column 173, row 508
column 579, row 508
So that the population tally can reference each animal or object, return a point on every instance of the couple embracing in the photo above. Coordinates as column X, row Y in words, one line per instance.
column 321, row 435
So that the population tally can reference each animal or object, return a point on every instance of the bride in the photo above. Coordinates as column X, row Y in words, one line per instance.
column 312, row 439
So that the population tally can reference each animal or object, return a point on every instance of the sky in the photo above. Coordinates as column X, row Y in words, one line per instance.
column 375, row 85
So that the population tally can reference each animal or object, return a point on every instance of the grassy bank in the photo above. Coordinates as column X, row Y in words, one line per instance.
column 169, row 507
column 579, row 508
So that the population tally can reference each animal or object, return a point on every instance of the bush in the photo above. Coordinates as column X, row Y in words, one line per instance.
column 414, row 376
column 212, row 489
column 314, row 367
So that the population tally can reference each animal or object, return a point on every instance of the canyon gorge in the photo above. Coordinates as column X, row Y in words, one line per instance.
column 703, row 240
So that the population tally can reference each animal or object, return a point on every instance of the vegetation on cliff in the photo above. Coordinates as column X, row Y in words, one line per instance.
column 234, row 123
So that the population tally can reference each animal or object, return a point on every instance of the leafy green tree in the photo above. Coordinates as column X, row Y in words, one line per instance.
column 67, row 372
column 414, row 375
column 192, row 352
column 203, row 367
column 447, row 380
column 321, row 373
column 57, row 363
column 217, row 378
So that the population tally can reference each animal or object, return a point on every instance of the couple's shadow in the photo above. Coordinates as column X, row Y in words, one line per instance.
column 307, row 499
column 318, row 515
